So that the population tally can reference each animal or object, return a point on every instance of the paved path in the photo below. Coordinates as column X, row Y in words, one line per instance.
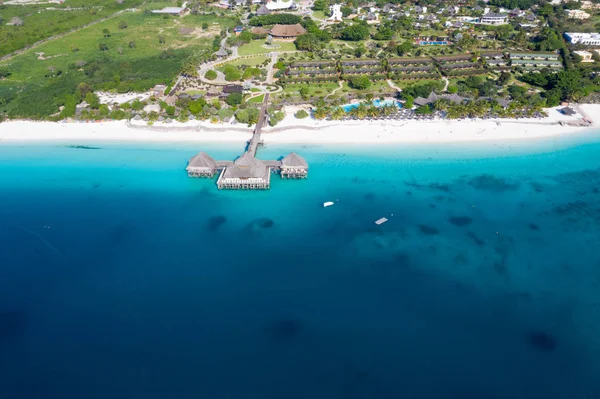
column 340, row 85
column 393, row 86
column 445, row 79
column 270, row 68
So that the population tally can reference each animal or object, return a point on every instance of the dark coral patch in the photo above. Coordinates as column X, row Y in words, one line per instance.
column 260, row 224
column 534, row 226
column 460, row 220
column 428, row 230
column 215, row 222
column 476, row 239
column 491, row 183
column 266, row 223
column 542, row 341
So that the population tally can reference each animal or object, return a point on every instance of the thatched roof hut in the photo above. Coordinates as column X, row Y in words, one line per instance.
column 287, row 31
column 294, row 166
column 455, row 98
column 293, row 160
column 201, row 164
column 263, row 10
column 259, row 30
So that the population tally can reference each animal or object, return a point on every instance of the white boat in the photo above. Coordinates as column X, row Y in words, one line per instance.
column 328, row 203
column 381, row 221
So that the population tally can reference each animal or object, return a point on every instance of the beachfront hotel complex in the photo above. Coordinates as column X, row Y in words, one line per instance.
column 588, row 39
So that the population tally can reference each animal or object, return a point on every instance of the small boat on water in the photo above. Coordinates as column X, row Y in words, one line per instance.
column 381, row 221
column 328, row 203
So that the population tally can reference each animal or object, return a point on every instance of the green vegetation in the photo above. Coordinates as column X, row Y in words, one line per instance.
column 210, row 74
column 301, row 114
column 38, row 23
column 247, row 115
column 257, row 99
column 360, row 82
column 234, row 99
column 256, row 47
column 356, row 32
column 320, row 15
column 232, row 73
column 130, row 59
column 252, row 61
column 283, row 19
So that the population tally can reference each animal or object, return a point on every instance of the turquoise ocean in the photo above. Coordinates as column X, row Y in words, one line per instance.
column 120, row 277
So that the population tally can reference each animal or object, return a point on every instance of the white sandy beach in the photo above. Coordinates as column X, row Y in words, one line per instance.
column 308, row 131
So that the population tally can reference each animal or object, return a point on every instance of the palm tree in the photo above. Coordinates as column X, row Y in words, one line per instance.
column 337, row 113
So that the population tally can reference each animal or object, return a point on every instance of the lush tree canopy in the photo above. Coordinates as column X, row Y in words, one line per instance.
column 234, row 99
column 307, row 42
column 355, row 32
column 284, row 19
column 360, row 82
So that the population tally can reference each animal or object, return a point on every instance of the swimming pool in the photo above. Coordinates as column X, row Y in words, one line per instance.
column 377, row 103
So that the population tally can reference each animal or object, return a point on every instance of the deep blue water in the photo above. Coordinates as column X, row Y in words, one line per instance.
column 122, row 278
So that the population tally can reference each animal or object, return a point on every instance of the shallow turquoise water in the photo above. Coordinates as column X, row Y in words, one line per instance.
column 120, row 277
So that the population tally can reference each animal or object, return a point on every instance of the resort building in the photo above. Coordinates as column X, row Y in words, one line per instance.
column 221, row 53
column 336, row 13
column 287, row 32
column 263, row 10
column 455, row 98
column 588, row 5
column 494, row 19
column 293, row 166
column 536, row 64
column 577, row 14
column 586, row 56
column 201, row 165
column 534, row 55
column 247, row 172
column 590, row 39
column 277, row 5
column 178, row 11
column 259, row 31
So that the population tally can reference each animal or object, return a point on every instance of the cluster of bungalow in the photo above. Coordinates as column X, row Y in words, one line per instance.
column 374, row 68
column 495, row 60
column 535, row 60
column 459, row 65
column 411, row 68
column 321, row 69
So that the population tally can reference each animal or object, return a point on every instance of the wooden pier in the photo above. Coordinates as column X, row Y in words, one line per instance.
column 247, row 172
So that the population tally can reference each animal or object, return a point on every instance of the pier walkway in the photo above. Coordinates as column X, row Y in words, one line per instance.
column 262, row 118
column 247, row 172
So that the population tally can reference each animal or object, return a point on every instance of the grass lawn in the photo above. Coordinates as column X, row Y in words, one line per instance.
column 257, row 99
column 320, row 15
column 139, row 67
column 40, row 23
column 254, row 61
column 375, row 88
column 314, row 90
column 256, row 47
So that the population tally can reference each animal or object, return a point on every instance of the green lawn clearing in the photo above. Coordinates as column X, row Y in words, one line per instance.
column 256, row 47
